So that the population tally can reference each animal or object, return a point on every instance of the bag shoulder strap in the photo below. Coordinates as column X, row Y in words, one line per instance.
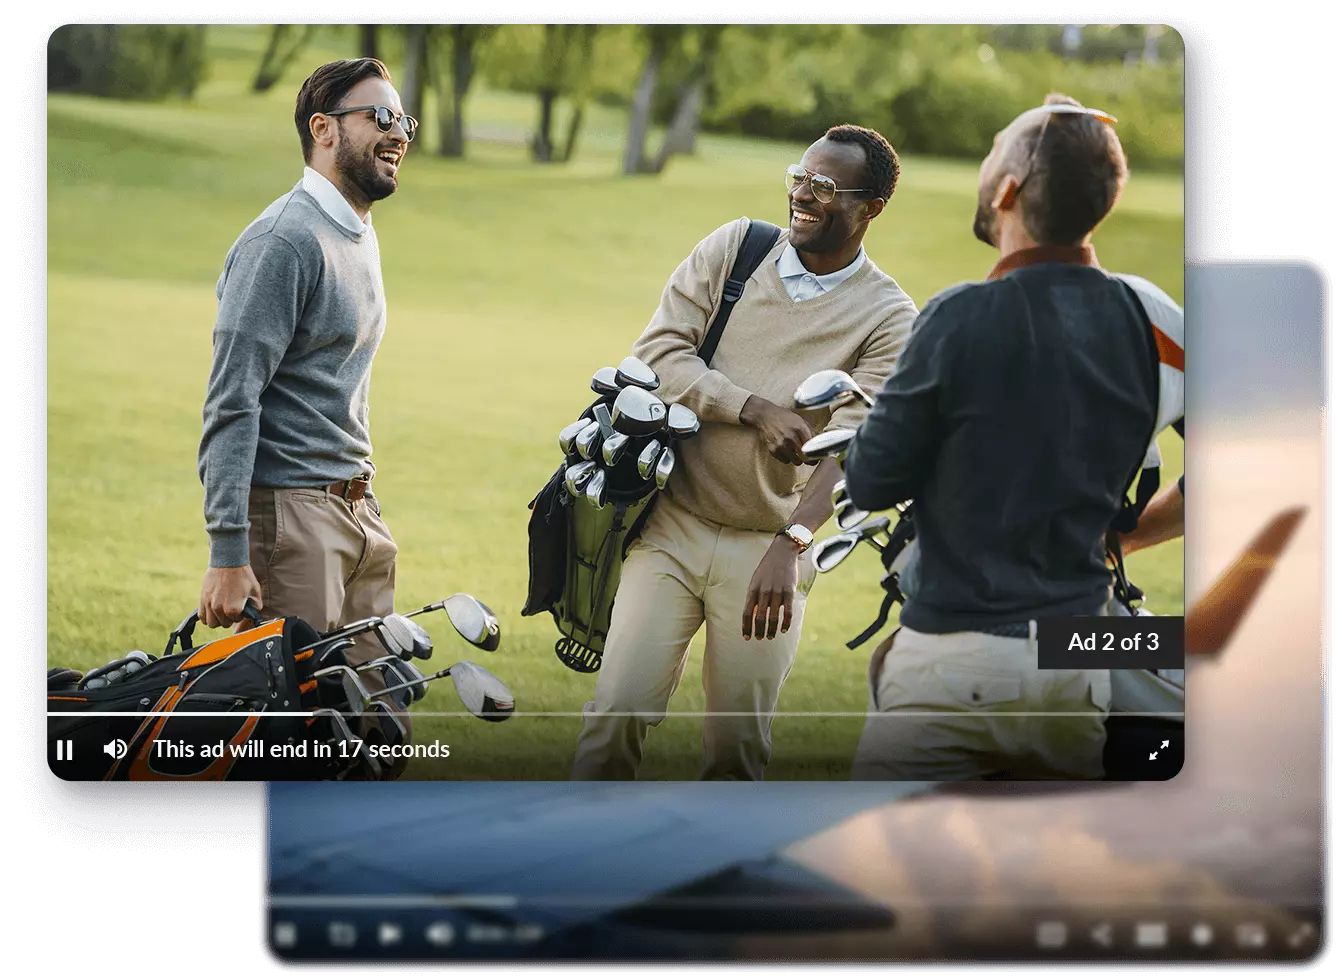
column 760, row 238
column 1148, row 480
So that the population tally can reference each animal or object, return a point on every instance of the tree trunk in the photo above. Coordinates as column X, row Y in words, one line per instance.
column 415, row 69
column 633, row 156
column 366, row 40
column 572, row 130
column 276, row 59
column 681, row 135
column 451, row 110
column 542, row 146
column 268, row 72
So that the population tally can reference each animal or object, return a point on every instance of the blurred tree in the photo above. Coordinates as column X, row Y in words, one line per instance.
column 452, row 86
column 661, row 40
column 285, row 43
column 366, row 41
column 413, row 83
column 686, row 120
column 563, row 68
column 126, row 60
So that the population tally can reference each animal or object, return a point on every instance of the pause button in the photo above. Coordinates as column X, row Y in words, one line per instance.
column 64, row 750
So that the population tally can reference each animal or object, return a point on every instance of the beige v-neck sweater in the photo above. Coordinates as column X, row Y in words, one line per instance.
column 770, row 345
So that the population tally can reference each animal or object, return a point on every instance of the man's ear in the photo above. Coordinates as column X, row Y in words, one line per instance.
column 871, row 208
column 1005, row 197
column 323, row 131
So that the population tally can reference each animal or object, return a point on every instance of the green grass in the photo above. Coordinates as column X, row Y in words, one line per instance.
column 552, row 270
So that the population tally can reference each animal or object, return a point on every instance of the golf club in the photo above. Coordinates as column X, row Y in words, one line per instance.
column 595, row 490
column 354, row 691
column 829, row 388
column 829, row 553
column 632, row 372
column 473, row 620
column 665, row 467
column 587, row 441
column 601, row 413
column 578, row 474
column 613, row 446
column 605, row 382
column 637, row 411
column 645, row 462
column 332, row 653
column 682, row 422
column 394, row 671
column 481, row 691
column 403, row 637
column 566, row 440
column 829, row 443
column 867, row 529
column 848, row 515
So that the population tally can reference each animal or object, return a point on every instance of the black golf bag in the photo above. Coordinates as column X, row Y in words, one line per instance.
column 247, row 706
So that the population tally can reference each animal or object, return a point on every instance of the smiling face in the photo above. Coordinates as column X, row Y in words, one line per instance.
column 366, row 159
column 823, row 228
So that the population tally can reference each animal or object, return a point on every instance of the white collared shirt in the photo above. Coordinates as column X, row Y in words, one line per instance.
column 333, row 203
column 802, row 284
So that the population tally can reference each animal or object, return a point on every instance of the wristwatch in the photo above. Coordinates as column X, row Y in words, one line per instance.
column 799, row 534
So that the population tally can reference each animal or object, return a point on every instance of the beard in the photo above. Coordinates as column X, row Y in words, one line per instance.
column 359, row 168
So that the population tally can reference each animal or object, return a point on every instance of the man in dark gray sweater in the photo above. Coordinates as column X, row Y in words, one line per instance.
column 1017, row 416
column 285, row 457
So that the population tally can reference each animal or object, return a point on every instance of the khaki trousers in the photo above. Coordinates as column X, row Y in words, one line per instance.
column 974, row 706
column 682, row 572
column 327, row 561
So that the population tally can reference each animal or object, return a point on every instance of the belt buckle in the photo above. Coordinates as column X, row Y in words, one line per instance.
column 362, row 480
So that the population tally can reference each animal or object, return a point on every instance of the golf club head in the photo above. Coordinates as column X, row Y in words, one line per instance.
column 632, row 372
column 605, row 381
column 566, row 440
column 404, row 638
column 638, row 411
column 848, row 515
column 838, row 491
column 831, row 552
column 596, row 490
column 603, row 416
column 333, row 653
column 587, row 441
column 682, row 421
column 613, row 446
column 664, row 467
column 395, row 672
column 474, row 621
column 355, row 695
column 645, row 461
column 829, row 443
column 482, row 692
column 868, row 529
column 829, row 388
column 578, row 474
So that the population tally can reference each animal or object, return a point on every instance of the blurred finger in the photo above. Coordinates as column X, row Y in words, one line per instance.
column 789, row 612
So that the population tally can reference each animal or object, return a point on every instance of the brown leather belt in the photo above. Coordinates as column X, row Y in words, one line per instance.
column 349, row 491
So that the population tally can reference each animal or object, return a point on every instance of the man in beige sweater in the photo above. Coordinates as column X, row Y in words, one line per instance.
column 724, row 545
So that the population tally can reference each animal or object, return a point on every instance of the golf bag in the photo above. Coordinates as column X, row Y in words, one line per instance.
column 194, row 713
column 576, row 550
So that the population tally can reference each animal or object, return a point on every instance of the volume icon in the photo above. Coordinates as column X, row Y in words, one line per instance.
column 116, row 748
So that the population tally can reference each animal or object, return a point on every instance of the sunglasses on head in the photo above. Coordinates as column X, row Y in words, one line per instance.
column 1061, row 108
column 385, row 118
column 823, row 187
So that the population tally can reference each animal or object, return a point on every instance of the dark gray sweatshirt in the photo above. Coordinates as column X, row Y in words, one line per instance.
column 301, row 312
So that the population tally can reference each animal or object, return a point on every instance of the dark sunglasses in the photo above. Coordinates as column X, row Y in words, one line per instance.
column 385, row 118
column 1059, row 109
column 823, row 187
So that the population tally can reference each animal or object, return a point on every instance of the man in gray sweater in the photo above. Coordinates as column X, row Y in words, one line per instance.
column 285, row 457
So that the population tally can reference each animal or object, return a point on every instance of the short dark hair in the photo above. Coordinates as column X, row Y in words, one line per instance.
column 1079, row 173
column 326, row 89
column 882, row 167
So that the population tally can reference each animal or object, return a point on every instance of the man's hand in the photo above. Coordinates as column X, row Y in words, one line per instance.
column 783, row 432
column 771, row 591
column 224, row 594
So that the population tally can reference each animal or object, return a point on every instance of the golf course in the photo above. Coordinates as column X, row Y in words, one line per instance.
column 508, row 284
